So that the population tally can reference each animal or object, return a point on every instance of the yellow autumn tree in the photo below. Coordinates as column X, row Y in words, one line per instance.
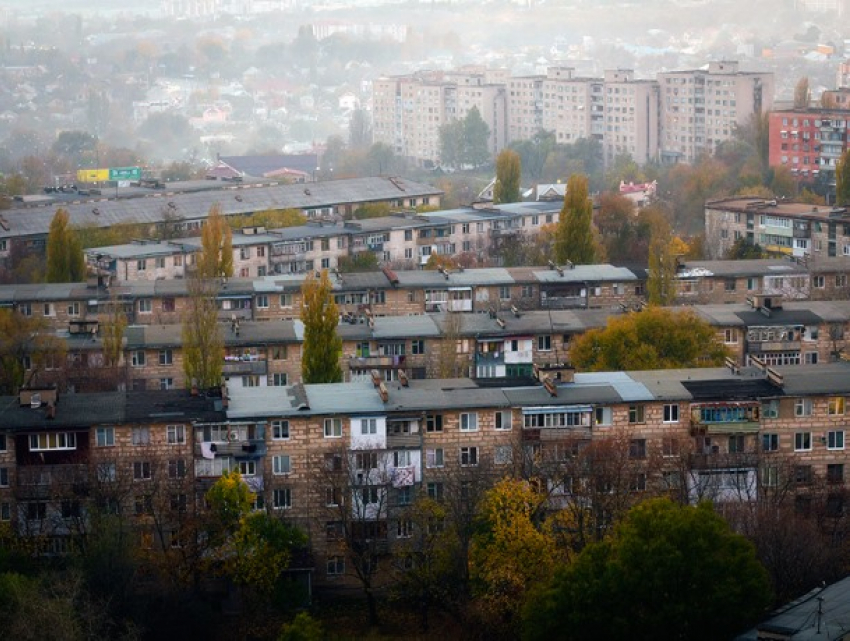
column 512, row 551
column 216, row 257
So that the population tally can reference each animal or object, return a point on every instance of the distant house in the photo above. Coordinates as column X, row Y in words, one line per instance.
column 297, row 167
column 640, row 194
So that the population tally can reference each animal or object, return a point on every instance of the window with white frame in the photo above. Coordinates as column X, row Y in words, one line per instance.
column 502, row 420
column 142, row 471
column 281, row 464
column 145, row 306
column 141, row 436
column 469, row 456
column 469, row 422
column 105, row 436
column 835, row 406
column 333, row 428
column 770, row 409
column 262, row 301
column 282, row 498
column 280, row 430
column 604, row 415
column 802, row 441
column 248, row 468
column 279, row 379
column 402, row 458
column 544, row 343
column 730, row 336
column 671, row 413
column 404, row 529
column 166, row 383
column 176, row 434
column 434, row 457
column 803, row 407
column 138, row 359
column 335, row 565
column 53, row 441
column 368, row 426
column 835, row 440
column 769, row 442
column 166, row 357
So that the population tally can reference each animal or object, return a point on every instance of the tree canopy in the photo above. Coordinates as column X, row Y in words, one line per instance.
column 508, row 177
column 464, row 141
column 842, row 179
column 661, row 282
column 65, row 260
column 574, row 241
column 322, row 344
column 668, row 572
column 655, row 338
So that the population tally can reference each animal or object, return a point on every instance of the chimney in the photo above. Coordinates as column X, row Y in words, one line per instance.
column 382, row 390
column 376, row 378
column 550, row 386
column 402, row 377
column 51, row 411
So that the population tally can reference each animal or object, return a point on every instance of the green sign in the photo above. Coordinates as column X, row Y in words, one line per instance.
column 125, row 173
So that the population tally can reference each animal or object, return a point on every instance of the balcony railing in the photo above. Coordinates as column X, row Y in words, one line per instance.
column 49, row 480
column 723, row 460
column 254, row 448
column 240, row 367
column 369, row 362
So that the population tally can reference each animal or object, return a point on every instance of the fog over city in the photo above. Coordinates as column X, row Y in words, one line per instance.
column 273, row 75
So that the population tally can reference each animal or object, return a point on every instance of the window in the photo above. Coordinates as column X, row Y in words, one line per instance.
column 803, row 474
column 802, row 441
column 249, row 380
column 402, row 458
column 2, row 442
column 176, row 434
column 434, row 423
column 366, row 460
column 636, row 414
column 333, row 462
column 333, row 428
column 36, row 510
column 638, row 482
column 835, row 440
column 279, row 379
column 368, row 426
column 105, row 436
column 141, row 265
column 604, row 415
column 468, row 456
column 245, row 253
column 434, row 457
column 527, row 291
column 469, row 422
column 262, row 301
column 770, row 476
column 671, row 413
column 145, row 306
column 281, row 465
column 769, row 442
column 504, row 292
column 737, row 443
column 282, row 498
column 142, row 471
column 803, row 407
column 637, row 448
column 504, row 455
column 286, row 300
column 835, row 473
column 405, row 495
column 280, row 430
column 53, row 441
column 417, row 346
column 138, row 359
column 836, row 406
column 770, row 409
column 49, row 310
column 141, row 436
column 434, row 490
column 177, row 468
column 4, row 477
column 333, row 496
column 5, row 512
column 502, row 420
column 106, row 472
column 670, row 447
column 166, row 383
column 336, row 566
column 369, row 495
column 248, row 468
column 404, row 529
column 168, row 305
column 544, row 343
column 819, row 282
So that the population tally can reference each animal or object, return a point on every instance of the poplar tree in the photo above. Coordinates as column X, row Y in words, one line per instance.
column 508, row 176
column 574, row 238
column 216, row 259
column 322, row 344
column 661, row 283
column 842, row 179
column 203, row 343
column 65, row 260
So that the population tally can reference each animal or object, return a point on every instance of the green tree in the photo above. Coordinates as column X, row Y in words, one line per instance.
column 303, row 628
column 359, row 130
column 203, row 343
column 451, row 144
column 475, row 136
column 216, row 257
column 574, row 241
column 230, row 500
column 112, row 332
column 25, row 339
column 842, row 179
column 661, row 281
column 655, row 338
column 743, row 249
column 359, row 262
column 322, row 344
column 508, row 177
column 642, row 582
column 535, row 152
column 65, row 260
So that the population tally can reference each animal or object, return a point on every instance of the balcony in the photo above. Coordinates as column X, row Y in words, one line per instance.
column 723, row 460
column 46, row 481
column 519, row 357
column 240, row 366
column 774, row 346
column 403, row 433
column 254, row 448
column 376, row 362
column 489, row 358
column 725, row 418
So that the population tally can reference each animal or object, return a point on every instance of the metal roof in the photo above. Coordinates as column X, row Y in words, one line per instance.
column 583, row 273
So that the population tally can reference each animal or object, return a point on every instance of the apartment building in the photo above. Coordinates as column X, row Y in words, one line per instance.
column 345, row 461
column 794, row 229
column 675, row 117
column 809, row 142
column 185, row 211
column 701, row 108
